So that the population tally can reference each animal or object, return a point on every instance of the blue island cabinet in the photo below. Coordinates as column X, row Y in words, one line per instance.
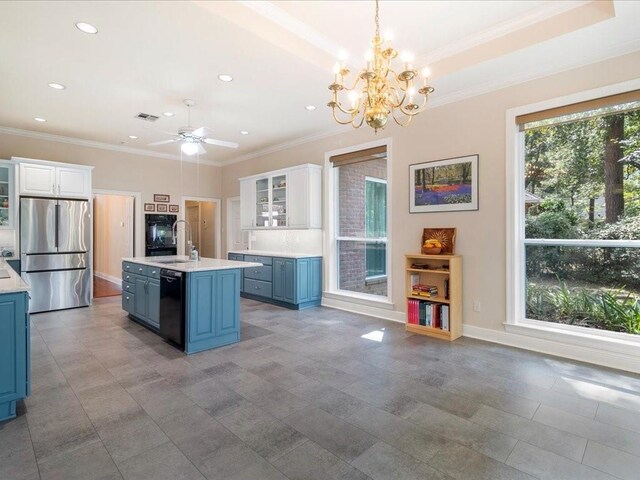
column 14, row 351
column 213, row 309
column 141, row 293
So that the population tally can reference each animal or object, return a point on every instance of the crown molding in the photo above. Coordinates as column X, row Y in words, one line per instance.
column 501, row 29
column 100, row 145
column 285, row 145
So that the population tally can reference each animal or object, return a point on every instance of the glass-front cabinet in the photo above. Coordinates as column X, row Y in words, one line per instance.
column 7, row 208
column 271, row 201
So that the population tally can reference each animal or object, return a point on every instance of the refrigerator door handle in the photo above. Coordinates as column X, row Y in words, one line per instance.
column 57, row 223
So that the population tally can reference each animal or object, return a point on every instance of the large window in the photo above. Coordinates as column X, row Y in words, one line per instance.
column 581, row 218
column 376, row 227
column 360, row 204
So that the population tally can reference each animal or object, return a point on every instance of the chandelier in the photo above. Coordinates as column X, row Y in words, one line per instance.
column 378, row 90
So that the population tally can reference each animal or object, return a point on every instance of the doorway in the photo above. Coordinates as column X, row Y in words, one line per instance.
column 113, row 240
column 237, row 239
column 203, row 215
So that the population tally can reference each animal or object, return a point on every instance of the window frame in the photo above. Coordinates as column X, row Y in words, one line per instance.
column 331, row 205
column 373, row 278
column 516, row 321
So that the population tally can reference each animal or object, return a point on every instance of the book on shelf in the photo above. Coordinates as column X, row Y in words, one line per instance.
column 446, row 289
column 421, row 290
column 414, row 279
column 428, row 314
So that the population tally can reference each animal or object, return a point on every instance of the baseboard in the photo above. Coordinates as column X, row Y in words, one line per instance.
column 369, row 310
column 620, row 361
column 109, row 278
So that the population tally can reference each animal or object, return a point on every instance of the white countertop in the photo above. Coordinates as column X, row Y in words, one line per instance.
column 14, row 283
column 186, row 265
column 274, row 254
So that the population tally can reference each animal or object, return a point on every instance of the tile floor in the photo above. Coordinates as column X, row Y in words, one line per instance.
column 306, row 396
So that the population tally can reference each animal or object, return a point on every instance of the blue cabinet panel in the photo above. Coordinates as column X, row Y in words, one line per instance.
column 315, row 278
column 153, row 301
column 140, row 299
column 14, row 351
column 303, row 285
column 128, row 302
column 213, row 309
column 238, row 258
column 259, row 273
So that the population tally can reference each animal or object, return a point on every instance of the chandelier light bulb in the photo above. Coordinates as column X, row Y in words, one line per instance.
column 343, row 55
column 354, row 97
column 336, row 68
column 426, row 72
column 388, row 36
column 189, row 148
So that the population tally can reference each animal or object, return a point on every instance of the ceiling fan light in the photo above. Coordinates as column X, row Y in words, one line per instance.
column 189, row 148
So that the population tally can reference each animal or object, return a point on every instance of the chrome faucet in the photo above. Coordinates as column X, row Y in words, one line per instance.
column 175, row 233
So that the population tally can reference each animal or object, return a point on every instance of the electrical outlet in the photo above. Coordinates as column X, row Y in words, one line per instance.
column 476, row 306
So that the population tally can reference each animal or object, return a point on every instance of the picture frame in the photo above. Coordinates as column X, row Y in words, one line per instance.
column 149, row 207
column 447, row 185
column 162, row 207
column 174, row 208
column 438, row 241
column 161, row 198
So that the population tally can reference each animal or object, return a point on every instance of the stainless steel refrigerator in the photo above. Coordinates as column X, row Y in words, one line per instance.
column 55, row 238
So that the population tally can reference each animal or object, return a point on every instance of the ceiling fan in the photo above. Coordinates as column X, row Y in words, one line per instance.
column 193, row 138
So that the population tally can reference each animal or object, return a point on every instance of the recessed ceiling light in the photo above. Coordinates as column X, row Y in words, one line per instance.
column 224, row 77
column 132, row 137
column 168, row 114
column 86, row 27
column 57, row 86
column 310, row 107
column 244, row 132
column 39, row 119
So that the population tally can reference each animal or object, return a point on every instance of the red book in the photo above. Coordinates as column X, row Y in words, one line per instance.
column 436, row 316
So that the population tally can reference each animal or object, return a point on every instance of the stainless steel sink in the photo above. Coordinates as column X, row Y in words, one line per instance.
column 171, row 262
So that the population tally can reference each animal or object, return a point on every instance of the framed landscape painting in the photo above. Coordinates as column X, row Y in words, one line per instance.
column 444, row 185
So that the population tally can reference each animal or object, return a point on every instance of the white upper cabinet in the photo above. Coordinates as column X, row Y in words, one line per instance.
column 288, row 198
column 51, row 179
column 73, row 182
column 37, row 179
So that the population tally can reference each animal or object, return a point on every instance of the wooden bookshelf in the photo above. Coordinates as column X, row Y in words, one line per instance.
column 438, row 268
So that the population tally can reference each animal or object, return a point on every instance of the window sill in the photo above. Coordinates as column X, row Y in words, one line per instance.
column 578, row 336
column 362, row 299
column 375, row 280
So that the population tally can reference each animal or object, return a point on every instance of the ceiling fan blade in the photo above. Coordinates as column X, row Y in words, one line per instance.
column 202, row 131
column 221, row 143
column 201, row 150
column 162, row 142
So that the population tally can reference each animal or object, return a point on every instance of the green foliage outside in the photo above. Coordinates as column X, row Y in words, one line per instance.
column 586, row 174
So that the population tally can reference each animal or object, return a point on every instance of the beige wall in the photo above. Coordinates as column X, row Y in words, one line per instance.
column 112, row 233
column 475, row 125
column 122, row 171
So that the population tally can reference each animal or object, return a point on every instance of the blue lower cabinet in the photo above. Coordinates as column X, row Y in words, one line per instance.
column 141, row 294
column 14, row 352
column 284, row 280
column 238, row 257
column 213, row 309
column 289, row 282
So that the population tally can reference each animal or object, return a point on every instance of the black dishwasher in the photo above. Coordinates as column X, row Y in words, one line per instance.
column 172, row 306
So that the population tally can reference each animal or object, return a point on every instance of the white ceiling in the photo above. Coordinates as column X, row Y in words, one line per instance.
column 148, row 56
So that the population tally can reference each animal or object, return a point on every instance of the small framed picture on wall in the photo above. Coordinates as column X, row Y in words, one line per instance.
column 161, row 198
column 174, row 208
column 162, row 207
column 149, row 207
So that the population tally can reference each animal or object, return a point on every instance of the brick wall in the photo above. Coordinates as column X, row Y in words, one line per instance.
column 352, row 266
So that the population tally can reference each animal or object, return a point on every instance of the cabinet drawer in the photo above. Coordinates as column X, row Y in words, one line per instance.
column 134, row 268
column 258, row 259
column 153, row 272
column 128, row 302
column 259, row 273
column 128, row 287
column 238, row 257
column 127, row 276
column 257, row 287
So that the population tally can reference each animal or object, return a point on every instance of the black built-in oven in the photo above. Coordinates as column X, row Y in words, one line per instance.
column 159, row 235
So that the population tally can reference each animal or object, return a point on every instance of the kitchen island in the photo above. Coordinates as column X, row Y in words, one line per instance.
column 193, row 304
column 15, row 340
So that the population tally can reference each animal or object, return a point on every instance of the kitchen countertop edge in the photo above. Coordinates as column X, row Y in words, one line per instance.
column 202, row 265
column 14, row 283
column 263, row 253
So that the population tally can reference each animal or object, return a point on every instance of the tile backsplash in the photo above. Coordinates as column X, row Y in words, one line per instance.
column 7, row 239
column 287, row 241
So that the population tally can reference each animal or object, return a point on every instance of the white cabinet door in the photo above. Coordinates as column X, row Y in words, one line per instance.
column 247, row 204
column 298, row 198
column 37, row 179
column 72, row 182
